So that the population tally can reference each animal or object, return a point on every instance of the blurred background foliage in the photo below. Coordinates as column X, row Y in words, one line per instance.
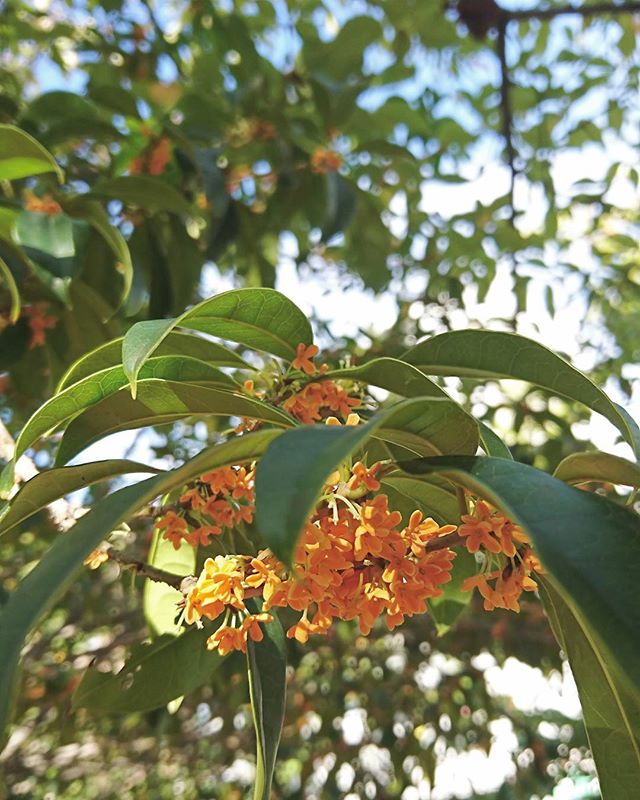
column 437, row 154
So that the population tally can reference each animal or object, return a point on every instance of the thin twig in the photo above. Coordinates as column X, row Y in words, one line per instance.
column 444, row 542
column 507, row 114
column 145, row 570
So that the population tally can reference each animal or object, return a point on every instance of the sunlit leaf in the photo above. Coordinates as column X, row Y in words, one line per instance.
column 259, row 318
column 604, row 467
column 52, row 484
column 21, row 155
column 91, row 390
column 160, row 402
column 176, row 344
column 494, row 354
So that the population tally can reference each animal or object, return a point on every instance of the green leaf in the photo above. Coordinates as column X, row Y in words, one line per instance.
column 393, row 375
column 36, row 593
column 429, row 426
column 589, row 545
column 307, row 455
column 259, row 318
column 147, row 192
column 494, row 354
column 160, row 600
column 93, row 213
column 7, row 276
column 160, row 402
column 585, row 467
column 611, row 712
column 89, row 391
column 50, row 233
column 48, row 580
column 267, row 665
column 154, row 674
column 435, row 499
column 492, row 444
column 48, row 486
column 21, row 156
column 175, row 344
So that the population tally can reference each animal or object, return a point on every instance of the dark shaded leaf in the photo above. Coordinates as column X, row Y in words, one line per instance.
column 267, row 664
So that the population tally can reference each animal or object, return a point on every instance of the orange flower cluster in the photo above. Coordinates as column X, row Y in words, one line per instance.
column 220, row 499
column 154, row 159
column 324, row 160
column 43, row 205
column 353, row 561
column 39, row 322
column 489, row 530
column 221, row 587
column 508, row 583
column 318, row 400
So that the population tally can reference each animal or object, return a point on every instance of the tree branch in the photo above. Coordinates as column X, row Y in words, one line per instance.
column 584, row 11
column 145, row 570
column 507, row 114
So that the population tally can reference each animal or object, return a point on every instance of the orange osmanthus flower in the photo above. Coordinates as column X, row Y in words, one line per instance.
column 39, row 322
column 324, row 160
column 318, row 399
column 42, row 205
column 304, row 354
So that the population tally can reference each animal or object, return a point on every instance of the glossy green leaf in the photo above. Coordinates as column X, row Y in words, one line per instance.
column 89, row 391
column 589, row 545
column 429, row 426
column 393, row 375
column 307, row 455
column 48, row 486
column 494, row 354
column 267, row 665
column 48, row 580
column 491, row 443
column 92, row 212
column 21, row 156
column 259, row 318
column 585, row 467
column 610, row 710
column 7, row 277
column 160, row 600
column 50, row 233
column 147, row 192
column 435, row 499
column 160, row 402
column 175, row 344
column 154, row 674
